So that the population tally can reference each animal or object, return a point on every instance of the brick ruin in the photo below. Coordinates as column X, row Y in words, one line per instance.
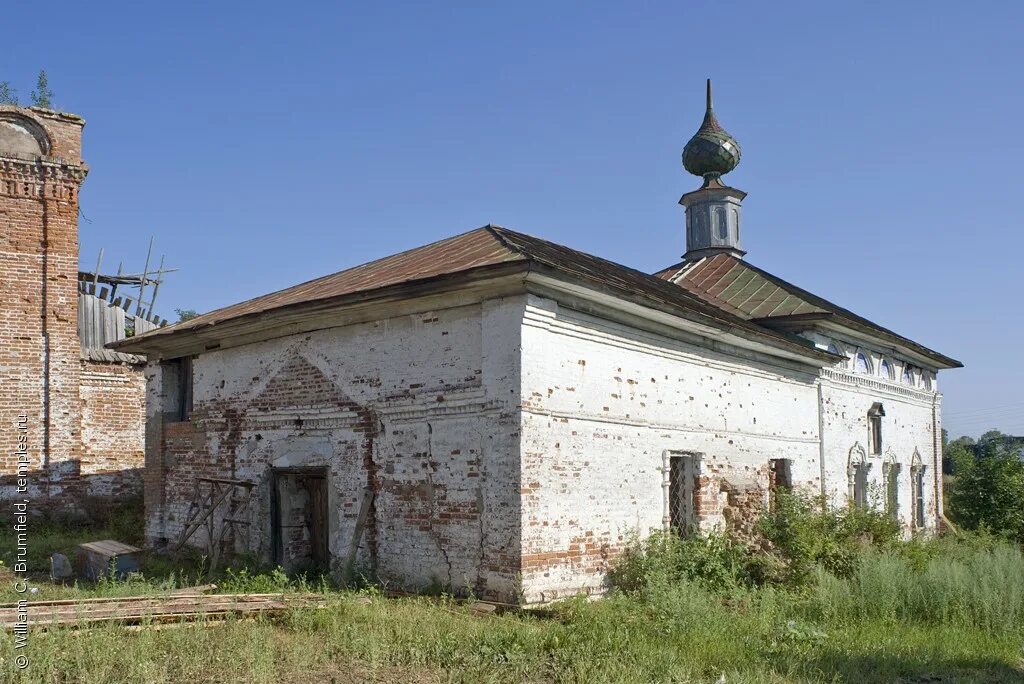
column 71, row 415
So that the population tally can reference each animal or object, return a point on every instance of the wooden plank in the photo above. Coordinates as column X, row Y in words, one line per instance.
column 142, row 325
column 221, row 480
column 83, row 320
column 357, row 533
column 197, row 596
column 117, row 314
column 111, row 331
column 130, row 610
column 97, row 322
column 89, row 317
column 109, row 547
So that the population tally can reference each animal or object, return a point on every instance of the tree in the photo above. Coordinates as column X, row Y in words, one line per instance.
column 42, row 96
column 186, row 314
column 988, row 489
column 8, row 95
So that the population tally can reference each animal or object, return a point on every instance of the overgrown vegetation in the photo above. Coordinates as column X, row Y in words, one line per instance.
column 186, row 314
column 796, row 539
column 824, row 596
column 42, row 96
column 986, row 484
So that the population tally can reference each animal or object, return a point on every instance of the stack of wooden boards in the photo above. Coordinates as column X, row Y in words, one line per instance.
column 136, row 610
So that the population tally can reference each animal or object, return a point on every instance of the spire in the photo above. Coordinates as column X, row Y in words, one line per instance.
column 711, row 151
column 713, row 210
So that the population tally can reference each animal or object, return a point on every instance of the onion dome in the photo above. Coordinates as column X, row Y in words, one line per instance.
column 711, row 151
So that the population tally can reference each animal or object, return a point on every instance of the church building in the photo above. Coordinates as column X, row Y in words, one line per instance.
column 500, row 414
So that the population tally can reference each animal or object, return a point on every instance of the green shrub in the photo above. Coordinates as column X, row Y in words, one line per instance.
column 988, row 492
column 242, row 581
column 715, row 561
column 805, row 533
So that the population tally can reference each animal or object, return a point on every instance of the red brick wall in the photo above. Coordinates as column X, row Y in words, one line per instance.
column 113, row 397
column 39, row 350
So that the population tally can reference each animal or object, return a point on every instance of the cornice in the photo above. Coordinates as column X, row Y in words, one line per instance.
column 877, row 385
column 40, row 177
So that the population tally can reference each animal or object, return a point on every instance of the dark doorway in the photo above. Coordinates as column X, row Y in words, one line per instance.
column 299, row 519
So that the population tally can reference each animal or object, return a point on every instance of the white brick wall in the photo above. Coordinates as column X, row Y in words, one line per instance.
column 515, row 445
column 603, row 402
column 428, row 399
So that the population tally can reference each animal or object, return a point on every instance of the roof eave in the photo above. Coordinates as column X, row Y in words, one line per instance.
column 182, row 339
column 764, row 340
column 829, row 321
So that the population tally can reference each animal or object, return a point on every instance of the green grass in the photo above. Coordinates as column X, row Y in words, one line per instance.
column 682, row 635
column 946, row 611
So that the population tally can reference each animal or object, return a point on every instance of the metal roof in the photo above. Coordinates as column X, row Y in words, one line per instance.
column 476, row 251
column 459, row 253
column 744, row 290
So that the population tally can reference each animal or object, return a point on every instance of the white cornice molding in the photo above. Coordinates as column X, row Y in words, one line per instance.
column 877, row 385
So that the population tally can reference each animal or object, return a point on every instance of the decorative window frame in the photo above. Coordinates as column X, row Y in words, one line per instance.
column 876, row 412
column 839, row 349
column 917, row 473
column 869, row 363
column 884, row 363
column 910, row 370
column 857, row 459
column 891, row 468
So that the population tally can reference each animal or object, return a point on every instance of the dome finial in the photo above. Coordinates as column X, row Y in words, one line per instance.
column 711, row 152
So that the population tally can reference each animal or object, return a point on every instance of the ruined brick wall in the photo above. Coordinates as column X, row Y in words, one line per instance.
column 421, row 409
column 41, row 171
column 605, row 405
column 113, row 399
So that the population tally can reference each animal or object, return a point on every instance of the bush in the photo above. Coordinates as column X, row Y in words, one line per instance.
column 715, row 561
column 798, row 536
column 805, row 533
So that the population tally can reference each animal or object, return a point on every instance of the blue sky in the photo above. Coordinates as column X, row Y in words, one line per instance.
column 263, row 144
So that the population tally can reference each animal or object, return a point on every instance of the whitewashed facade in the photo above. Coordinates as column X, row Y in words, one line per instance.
column 501, row 415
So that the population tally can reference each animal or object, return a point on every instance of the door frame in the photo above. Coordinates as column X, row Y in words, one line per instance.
column 276, row 538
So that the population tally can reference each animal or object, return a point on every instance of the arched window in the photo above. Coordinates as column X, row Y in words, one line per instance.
column 22, row 135
column 721, row 224
column 835, row 348
column 875, row 414
column 861, row 363
column 908, row 375
column 891, row 476
column 886, row 370
column 857, row 476
column 917, row 492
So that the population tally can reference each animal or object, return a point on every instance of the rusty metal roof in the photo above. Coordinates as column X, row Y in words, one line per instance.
column 732, row 284
column 459, row 253
column 744, row 290
column 475, row 251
